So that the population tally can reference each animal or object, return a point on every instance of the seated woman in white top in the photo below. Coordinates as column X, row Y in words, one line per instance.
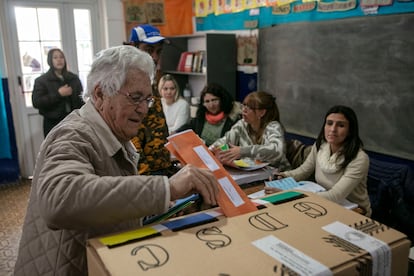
column 176, row 109
column 338, row 160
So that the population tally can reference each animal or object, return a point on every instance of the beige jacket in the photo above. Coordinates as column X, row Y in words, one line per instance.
column 84, row 185
column 349, row 183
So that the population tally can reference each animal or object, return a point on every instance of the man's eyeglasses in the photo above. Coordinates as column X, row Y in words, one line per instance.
column 213, row 101
column 139, row 99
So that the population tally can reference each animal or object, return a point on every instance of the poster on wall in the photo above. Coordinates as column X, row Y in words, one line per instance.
column 135, row 12
column 139, row 12
column 155, row 12
column 247, row 50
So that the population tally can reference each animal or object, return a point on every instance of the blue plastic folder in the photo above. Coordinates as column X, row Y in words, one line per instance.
column 189, row 221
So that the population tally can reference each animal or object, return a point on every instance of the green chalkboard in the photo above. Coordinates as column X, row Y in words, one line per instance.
column 366, row 63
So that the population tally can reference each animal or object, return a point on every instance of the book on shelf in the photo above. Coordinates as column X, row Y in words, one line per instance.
column 198, row 66
column 191, row 62
column 181, row 62
column 196, row 60
column 188, row 64
column 203, row 62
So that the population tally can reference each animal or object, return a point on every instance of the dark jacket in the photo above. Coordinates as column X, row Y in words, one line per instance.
column 47, row 99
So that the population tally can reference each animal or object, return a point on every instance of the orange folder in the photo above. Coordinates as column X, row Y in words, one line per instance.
column 190, row 149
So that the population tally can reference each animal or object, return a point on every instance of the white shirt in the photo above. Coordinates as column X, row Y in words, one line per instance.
column 176, row 114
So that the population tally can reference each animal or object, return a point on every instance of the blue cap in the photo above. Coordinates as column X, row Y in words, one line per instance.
column 146, row 34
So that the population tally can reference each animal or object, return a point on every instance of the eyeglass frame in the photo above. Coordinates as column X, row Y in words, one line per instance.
column 148, row 101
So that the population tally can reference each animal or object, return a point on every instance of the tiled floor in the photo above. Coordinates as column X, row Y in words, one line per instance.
column 13, row 203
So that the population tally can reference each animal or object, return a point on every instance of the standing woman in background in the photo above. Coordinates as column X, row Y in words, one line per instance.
column 216, row 114
column 258, row 136
column 338, row 160
column 57, row 92
column 176, row 109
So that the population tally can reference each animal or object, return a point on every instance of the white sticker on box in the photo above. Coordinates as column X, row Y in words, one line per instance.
column 291, row 257
column 379, row 250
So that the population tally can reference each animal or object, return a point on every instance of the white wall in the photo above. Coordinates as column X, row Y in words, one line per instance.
column 114, row 17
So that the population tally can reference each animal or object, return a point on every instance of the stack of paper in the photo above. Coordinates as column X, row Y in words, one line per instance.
column 244, row 177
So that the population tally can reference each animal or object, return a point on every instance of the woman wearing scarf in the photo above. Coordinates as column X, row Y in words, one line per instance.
column 216, row 114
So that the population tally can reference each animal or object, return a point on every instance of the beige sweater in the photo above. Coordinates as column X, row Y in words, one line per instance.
column 349, row 183
column 85, row 184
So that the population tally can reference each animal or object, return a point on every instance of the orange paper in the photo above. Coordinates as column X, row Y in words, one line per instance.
column 189, row 149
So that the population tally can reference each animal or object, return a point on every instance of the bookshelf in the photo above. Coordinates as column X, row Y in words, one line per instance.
column 219, row 57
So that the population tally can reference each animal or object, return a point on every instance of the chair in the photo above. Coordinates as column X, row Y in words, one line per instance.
column 296, row 152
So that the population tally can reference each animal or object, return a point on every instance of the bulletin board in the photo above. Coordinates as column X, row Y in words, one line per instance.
column 172, row 17
column 366, row 63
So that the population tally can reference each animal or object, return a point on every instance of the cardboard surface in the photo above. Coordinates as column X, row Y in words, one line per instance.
column 291, row 236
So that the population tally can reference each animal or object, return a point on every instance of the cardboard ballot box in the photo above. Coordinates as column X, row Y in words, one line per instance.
column 297, row 234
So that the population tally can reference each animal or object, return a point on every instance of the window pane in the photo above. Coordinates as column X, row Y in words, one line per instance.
column 84, row 55
column 26, row 19
column 38, row 31
column 84, row 45
column 49, row 24
column 82, row 24
column 28, row 82
column 31, row 57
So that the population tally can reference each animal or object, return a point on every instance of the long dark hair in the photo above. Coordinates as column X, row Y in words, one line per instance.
column 226, row 100
column 50, row 60
column 352, row 142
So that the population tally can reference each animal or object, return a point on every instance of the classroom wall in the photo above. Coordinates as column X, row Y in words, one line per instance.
column 366, row 63
column 177, row 17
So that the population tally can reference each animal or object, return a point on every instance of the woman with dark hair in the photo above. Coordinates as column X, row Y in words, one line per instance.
column 258, row 136
column 216, row 114
column 338, row 160
column 57, row 92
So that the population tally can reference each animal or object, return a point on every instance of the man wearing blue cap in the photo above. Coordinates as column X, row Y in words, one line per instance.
column 148, row 38
column 153, row 132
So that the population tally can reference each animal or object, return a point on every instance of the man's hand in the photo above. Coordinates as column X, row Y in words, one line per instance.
column 190, row 180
